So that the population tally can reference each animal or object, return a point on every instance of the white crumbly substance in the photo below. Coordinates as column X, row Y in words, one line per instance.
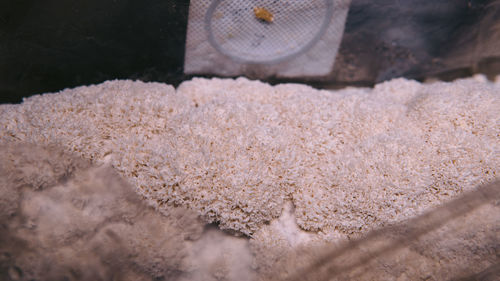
column 64, row 219
column 236, row 151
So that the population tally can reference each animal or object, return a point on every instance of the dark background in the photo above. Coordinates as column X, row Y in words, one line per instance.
column 49, row 45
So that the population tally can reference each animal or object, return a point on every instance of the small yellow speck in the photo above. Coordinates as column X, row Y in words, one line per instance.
column 263, row 14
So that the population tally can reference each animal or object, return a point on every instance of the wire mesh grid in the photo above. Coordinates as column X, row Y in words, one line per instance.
column 266, row 31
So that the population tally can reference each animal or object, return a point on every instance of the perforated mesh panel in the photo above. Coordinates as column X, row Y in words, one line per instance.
column 236, row 30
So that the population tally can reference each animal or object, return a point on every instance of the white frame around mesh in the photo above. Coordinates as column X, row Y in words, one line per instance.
column 315, row 57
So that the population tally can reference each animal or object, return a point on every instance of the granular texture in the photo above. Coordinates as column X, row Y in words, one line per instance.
column 236, row 151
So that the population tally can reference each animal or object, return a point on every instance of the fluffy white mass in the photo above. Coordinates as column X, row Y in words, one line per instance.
column 236, row 151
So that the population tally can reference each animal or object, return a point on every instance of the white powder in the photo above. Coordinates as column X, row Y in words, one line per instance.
column 236, row 150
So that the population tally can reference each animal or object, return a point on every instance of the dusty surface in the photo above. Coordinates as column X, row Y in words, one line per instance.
column 65, row 219
column 236, row 150
column 289, row 166
column 62, row 218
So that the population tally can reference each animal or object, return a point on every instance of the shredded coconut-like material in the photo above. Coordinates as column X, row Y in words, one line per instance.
column 236, row 150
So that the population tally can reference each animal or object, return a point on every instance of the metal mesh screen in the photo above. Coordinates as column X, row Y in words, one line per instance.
column 266, row 31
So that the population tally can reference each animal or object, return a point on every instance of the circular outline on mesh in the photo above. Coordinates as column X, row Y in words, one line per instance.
column 311, row 43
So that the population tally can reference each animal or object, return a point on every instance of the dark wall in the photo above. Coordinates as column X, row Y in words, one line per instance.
column 416, row 39
column 50, row 45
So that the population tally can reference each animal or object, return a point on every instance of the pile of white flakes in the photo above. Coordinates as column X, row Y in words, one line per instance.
column 238, row 151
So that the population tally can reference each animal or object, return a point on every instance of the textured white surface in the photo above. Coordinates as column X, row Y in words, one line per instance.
column 64, row 219
column 236, row 150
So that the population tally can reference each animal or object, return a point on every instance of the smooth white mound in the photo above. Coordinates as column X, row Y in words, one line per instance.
column 236, row 151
